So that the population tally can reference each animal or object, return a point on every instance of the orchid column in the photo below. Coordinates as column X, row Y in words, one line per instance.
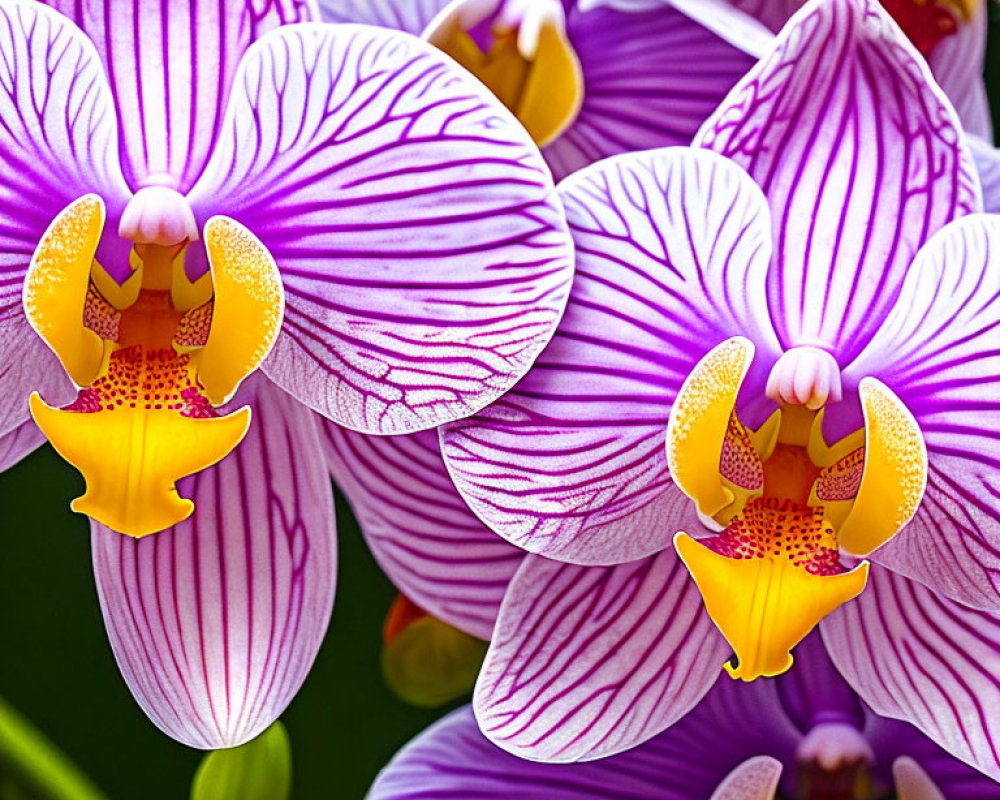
column 405, row 218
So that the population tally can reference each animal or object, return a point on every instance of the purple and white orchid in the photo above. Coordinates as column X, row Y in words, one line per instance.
column 805, row 735
column 835, row 238
column 351, row 176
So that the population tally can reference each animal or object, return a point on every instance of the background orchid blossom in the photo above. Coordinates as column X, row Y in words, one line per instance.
column 423, row 257
column 807, row 729
column 861, row 162
column 588, row 80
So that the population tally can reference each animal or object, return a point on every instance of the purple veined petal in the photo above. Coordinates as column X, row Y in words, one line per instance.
column 987, row 160
column 57, row 143
column 772, row 13
column 411, row 16
column 423, row 248
column 421, row 532
column 171, row 66
column 892, row 739
column 651, row 77
column 453, row 759
column 19, row 444
column 915, row 655
column 937, row 350
column 957, row 63
column 216, row 622
column 862, row 159
column 587, row 662
column 672, row 248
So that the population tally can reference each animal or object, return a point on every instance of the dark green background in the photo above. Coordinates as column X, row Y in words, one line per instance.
column 57, row 668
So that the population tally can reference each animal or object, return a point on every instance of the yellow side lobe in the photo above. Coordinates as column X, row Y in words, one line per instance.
column 545, row 91
column 699, row 420
column 247, row 312
column 131, row 458
column 763, row 606
column 55, row 288
column 895, row 472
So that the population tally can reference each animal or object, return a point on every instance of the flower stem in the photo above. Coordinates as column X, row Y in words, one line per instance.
column 39, row 765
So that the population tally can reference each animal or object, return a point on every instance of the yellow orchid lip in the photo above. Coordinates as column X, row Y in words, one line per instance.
column 787, row 503
column 151, row 368
column 530, row 66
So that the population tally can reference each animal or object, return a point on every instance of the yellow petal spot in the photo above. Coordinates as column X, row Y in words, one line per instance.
column 542, row 86
column 777, row 577
column 56, row 286
column 895, row 471
column 248, row 308
column 700, row 421
column 131, row 458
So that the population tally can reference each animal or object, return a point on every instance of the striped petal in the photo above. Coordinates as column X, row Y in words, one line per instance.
column 171, row 67
column 19, row 444
column 422, row 245
column 215, row 622
column 411, row 16
column 652, row 76
column 421, row 532
column 914, row 655
column 587, row 662
column 57, row 143
column 672, row 246
column 861, row 158
column 938, row 352
column 453, row 759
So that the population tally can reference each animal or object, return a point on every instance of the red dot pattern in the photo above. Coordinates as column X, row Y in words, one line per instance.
column 740, row 463
column 194, row 326
column 100, row 316
column 842, row 480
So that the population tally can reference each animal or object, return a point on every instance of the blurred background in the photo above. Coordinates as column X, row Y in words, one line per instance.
column 56, row 666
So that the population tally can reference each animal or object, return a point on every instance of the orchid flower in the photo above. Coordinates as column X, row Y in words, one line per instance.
column 354, row 177
column 587, row 80
column 806, row 730
column 787, row 353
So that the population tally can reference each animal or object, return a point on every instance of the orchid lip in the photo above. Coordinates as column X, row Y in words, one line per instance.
column 150, row 363
column 789, row 504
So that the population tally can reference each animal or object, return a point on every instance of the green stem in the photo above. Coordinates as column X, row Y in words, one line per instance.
column 39, row 764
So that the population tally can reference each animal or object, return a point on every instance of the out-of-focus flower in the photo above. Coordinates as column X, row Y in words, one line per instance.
column 258, row 770
column 587, row 80
column 405, row 217
column 806, row 729
column 865, row 387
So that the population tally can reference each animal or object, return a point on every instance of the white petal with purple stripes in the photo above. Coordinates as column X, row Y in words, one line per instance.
column 937, row 350
column 419, row 529
column 411, row 16
column 672, row 246
column 915, row 655
column 216, row 622
column 862, row 159
column 423, row 249
column 587, row 662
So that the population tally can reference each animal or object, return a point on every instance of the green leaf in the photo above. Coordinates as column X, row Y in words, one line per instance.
column 32, row 765
column 257, row 770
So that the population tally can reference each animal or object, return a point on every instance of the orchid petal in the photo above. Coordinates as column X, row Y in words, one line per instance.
column 215, row 622
column 957, row 63
column 651, row 76
column 419, row 529
column 56, row 144
column 19, row 443
column 754, row 779
column 987, row 160
column 772, row 13
column 411, row 16
column 861, row 158
column 893, row 740
column 814, row 692
column 589, row 661
column 422, row 246
column 171, row 91
column 941, row 359
column 914, row 655
column 672, row 246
